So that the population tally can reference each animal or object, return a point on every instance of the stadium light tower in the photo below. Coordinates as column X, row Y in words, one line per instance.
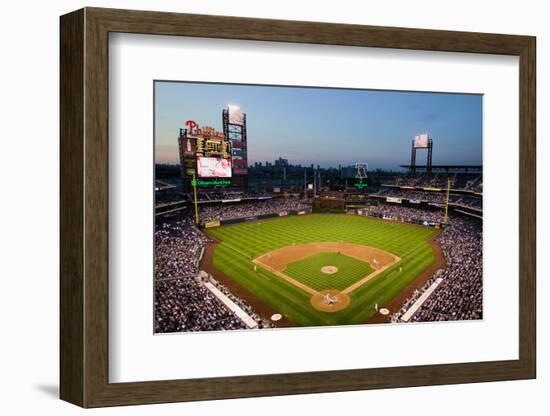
column 422, row 141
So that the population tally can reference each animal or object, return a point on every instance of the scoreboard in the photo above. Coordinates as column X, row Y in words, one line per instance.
column 217, row 158
column 204, row 153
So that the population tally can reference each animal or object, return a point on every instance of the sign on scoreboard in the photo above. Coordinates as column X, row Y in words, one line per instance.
column 210, row 183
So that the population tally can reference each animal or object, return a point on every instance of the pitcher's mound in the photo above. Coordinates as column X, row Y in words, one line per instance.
column 330, row 300
column 329, row 269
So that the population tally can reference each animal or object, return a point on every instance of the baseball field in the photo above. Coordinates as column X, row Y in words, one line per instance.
column 323, row 269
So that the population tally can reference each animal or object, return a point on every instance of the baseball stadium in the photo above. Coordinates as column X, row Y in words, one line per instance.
column 254, row 245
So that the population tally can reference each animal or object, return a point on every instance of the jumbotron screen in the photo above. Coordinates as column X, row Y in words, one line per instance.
column 421, row 141
column 236, row 116
column 213, row 167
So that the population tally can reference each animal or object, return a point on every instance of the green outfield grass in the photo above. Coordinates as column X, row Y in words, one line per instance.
column 243, row 242
column 308, row 271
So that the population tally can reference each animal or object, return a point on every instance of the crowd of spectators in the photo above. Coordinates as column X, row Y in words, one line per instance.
column 459, row 296
column 426, row 180
column 168, row 197
column 463, row 181
column 467, row 201
column 227, row 194
column 182, row 302
column 220, row 212
column 178, row 246
column 475, row 184
column 262, row 323
column 432, row 197
column 408, row 214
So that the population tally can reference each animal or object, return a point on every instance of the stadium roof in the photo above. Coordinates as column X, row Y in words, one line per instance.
column 446, row 167
column 161, row 185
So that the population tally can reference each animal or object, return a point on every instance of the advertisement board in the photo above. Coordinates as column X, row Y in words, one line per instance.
column 393, row 200
column 238, row 154
column 188, row 146
column 213, row 167
column 240, row 167
column 210, row 183
column 240, row 164
column 212, row 224
column 238, row 144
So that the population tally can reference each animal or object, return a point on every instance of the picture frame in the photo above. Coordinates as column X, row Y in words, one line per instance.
column 84, row 217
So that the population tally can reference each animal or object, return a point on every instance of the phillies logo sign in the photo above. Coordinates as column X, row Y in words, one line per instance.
column 195, row 130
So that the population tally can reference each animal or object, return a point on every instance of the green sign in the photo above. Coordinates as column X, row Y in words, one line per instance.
column 361, row 185
column 216, row 182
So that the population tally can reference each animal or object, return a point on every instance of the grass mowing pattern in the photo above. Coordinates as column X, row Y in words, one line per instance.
column 243, row 242
column 308, row 271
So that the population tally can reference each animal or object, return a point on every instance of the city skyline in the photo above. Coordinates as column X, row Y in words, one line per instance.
column 326, row 126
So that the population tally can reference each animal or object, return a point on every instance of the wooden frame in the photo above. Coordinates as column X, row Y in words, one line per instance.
column 84, row 207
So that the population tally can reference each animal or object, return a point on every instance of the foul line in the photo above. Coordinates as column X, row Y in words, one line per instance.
column 370, row 276
column 237, row 251
column 287, row 278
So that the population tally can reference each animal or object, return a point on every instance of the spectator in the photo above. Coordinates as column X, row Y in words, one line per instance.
column 252, row 208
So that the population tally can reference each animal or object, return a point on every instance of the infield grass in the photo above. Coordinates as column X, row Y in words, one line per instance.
column 240, row 243
column 308, row 271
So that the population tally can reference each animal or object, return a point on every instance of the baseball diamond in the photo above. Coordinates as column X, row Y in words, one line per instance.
column 376, row 260
column 309, row 270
